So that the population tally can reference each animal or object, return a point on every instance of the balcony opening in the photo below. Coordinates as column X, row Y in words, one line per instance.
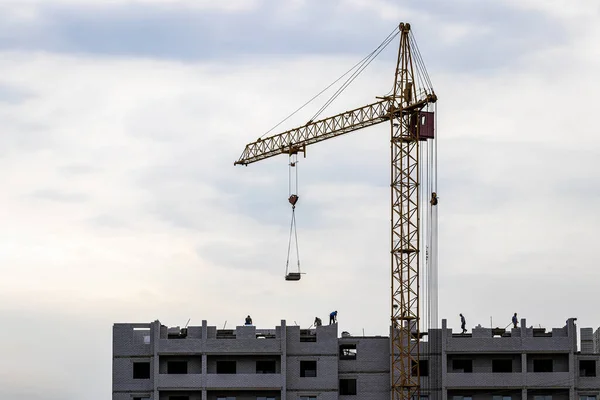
column 141, row 398
column 587, row 368
column 502, row 365
column 587, row 397
column 266, row 367
column 422, row 370
column 542, row 365
column 462, row 398
column 177, row 367
column 501, row 398
column 308, row 369
column 306, row 335
column 265, row 398
column 226, row 367
column 225, row 334
column 347, row 387
column 542, row 397
column 307, row 398
column 464, row 365
column 225, row 397
column 348, row 352
column 178, row 397
column 141, row 370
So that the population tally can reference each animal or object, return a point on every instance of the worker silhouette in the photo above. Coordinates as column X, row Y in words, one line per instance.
column 318, row 321
column 248, row 320
column 434, row 199
column 333, row 317
column 515, row 321
column 463, row 323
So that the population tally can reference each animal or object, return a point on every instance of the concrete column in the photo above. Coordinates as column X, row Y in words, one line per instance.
column 283, row 346
column 444, row 359
column 524, row 369
column 524, row 394
column 204, row 359
column 155, row 362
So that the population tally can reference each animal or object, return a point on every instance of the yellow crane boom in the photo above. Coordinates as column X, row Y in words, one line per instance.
column 295, row 140
column 409, row 126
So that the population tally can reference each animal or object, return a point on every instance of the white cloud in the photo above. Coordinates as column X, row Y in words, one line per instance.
column 231, row 5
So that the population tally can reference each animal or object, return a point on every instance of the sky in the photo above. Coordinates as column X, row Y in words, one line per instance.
column 121, row 120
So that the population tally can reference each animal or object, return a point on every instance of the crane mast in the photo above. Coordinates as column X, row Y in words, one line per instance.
column 404, row 110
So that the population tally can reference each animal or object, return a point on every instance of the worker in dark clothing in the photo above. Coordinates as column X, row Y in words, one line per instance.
column 248, row 320
column 333, row 317
column 515, row 321
column 462, row 324
column 434, row 199
column 318, row 321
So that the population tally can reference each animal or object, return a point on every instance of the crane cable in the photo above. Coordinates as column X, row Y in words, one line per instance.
column 365, row 64
column 293, row 199
column 360, row 66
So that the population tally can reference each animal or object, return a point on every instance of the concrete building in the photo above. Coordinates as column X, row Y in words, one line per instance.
column 151, row 361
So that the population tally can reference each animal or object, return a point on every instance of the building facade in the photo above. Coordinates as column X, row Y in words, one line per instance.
column 151, row 361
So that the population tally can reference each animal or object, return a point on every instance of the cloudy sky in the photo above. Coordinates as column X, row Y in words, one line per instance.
column 121, row 120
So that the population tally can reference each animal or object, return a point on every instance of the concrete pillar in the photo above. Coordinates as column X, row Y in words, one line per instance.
column 155, row 335
column 283, row 346
column 524, row 370
column 444, row 358
column 204, row 359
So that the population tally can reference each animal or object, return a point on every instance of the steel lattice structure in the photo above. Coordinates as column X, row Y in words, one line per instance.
column 403, row 110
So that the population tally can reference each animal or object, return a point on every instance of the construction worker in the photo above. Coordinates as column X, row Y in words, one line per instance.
column 248, row 320
column 333, row 317
column 463, row 323
column 515, row 321
column 318, row 321
column 434, row 199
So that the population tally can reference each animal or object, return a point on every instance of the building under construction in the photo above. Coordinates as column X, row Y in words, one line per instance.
column 152, row 361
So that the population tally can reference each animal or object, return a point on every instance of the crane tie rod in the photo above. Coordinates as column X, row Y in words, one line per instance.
column 360, row 66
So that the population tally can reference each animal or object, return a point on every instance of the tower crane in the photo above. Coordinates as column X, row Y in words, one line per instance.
column 411, row 125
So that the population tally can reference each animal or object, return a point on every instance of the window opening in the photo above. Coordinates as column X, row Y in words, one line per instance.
column 177, row 367
column 179, row 397
column 502, row 365
column 464, row 365
column 542, row 397
column 266, row 367
column 141, row 370
column 308, row 369
column 501, row 398
column 542, row 365
column 348, row 387
column 587, row 368
column 423, row 369
column 226, row 367
column 308, row 398
column 348, row 352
